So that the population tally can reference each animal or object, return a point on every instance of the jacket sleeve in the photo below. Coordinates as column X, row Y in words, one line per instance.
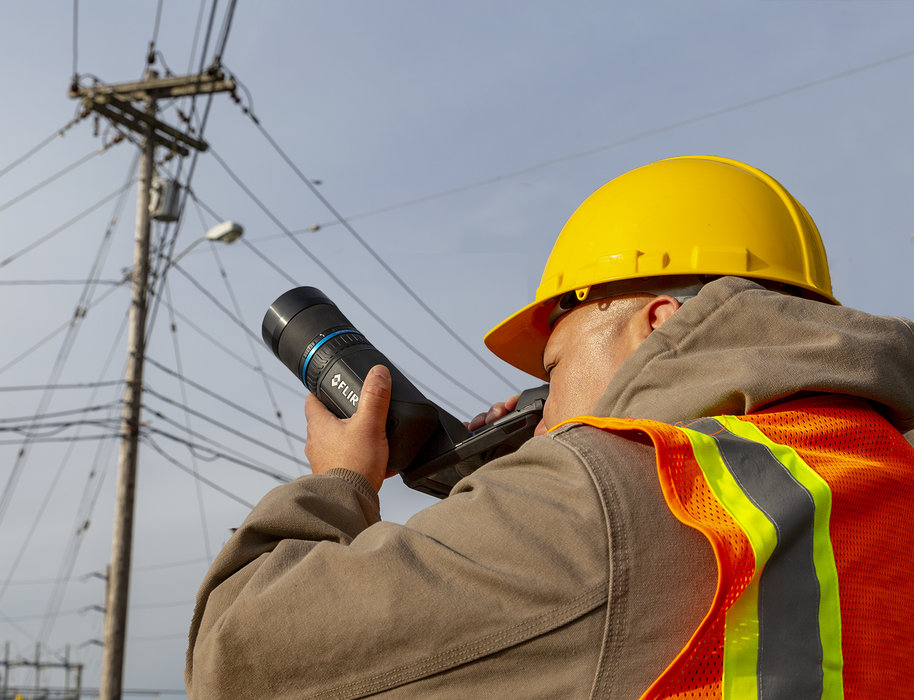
column 314, row 597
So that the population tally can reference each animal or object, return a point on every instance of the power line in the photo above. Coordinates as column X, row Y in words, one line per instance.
column 221, row 345
column 374, row 254
column 57, row 331
column 63, row 227
column 253, row 350
column 442, row 400
column 60, row 173
column 215, row 454
column 82, row 611
column 54, row 283
column 57, row 369
column 223, row 34
column 222, row 399
column 42, row 387
column 84, row 511
column 75, row 37
column 212, row 421
column 164, row 261
column 198, row 487
column 193, row 47
column 212, row 484
column 219, row 305
column 63, row 354
column 342, row 284
column 58, row 414
column 608, row 146
column 155, row 32
column 59, row 133
column 80, row 438
column 83, row 578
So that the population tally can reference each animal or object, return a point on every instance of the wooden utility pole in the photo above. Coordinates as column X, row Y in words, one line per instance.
column 115, row 103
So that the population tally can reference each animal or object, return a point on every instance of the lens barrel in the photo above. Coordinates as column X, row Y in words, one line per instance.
column 310, row 336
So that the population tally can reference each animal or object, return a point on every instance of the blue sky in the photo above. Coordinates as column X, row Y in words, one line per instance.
column 457, row 138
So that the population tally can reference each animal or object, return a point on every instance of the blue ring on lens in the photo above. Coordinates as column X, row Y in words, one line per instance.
column 304, row 369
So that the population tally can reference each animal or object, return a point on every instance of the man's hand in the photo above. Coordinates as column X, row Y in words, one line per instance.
column 497, row 411
column 358, row 443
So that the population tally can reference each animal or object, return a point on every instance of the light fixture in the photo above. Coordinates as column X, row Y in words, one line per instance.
column 226, row 232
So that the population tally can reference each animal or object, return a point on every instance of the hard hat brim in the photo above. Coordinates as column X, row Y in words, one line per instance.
column 521, row 339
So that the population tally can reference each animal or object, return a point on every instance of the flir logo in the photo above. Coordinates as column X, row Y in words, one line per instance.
column 336, row 381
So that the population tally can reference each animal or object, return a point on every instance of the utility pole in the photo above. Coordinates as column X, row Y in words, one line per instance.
column 115, row 103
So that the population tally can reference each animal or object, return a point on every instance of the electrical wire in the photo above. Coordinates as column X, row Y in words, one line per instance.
column 218, row 304
column 442, row 400
column 216, row 454
column 218, row 424
column 57, row 134
column 75, row 37
column 193, row 47
column 58, row 414
column 72, row 328
column 198, row 487
column 80, row 438
column 60, row 173
column 11, row 568
column 222, row 399
column 607, row 146
column 164, row 261
column 53, row 283
column 63, row 227
column 341, row 283
column 254, row 355
column 84, row 303
column 374, row 254
column 221, row 345
column 82, row 611
column 85, row 508
column 155, row 32
column 42, row 387
column 224, row 32
column 198, row 477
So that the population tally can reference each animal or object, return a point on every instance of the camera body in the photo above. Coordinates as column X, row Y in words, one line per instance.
column 430, row 448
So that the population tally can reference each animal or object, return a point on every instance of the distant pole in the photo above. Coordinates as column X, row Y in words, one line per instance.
column 122, row 538
column 38, row 670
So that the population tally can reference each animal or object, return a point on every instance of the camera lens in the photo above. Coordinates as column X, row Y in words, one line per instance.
column 311, row 337
column 306, row 330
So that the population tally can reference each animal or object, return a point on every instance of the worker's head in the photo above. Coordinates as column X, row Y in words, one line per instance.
column 645, row 242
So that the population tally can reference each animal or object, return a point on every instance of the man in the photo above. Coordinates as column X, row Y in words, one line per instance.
column 645, row 548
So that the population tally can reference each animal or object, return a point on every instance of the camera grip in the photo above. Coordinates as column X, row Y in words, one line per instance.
column 411, row 418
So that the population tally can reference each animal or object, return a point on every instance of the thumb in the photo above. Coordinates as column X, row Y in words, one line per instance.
column 374, row 400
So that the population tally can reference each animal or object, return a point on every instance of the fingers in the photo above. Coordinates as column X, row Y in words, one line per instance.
column 497, row 411
column 358, row 443
column 315, row 411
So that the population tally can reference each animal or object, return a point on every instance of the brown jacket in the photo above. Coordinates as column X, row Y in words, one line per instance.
column 557, row 571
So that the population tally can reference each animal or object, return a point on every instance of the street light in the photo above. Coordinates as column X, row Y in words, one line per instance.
column 226, row 232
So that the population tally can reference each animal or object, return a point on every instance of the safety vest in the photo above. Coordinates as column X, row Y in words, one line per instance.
column 809, row 509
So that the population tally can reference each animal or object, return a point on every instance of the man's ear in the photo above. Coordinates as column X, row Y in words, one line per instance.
column 660, row 308
column 653, row 315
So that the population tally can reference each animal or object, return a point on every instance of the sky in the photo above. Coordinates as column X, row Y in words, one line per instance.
column 455, row 139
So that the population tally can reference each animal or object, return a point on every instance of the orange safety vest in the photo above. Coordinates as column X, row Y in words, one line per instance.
column 809, row 509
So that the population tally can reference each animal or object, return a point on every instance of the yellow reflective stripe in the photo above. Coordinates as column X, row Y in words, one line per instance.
column 823, row 554
column 741, row 626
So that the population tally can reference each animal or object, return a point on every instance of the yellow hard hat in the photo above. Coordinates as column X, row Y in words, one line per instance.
column 686, row 216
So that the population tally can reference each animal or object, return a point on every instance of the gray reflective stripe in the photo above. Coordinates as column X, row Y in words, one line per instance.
column 789, row 644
